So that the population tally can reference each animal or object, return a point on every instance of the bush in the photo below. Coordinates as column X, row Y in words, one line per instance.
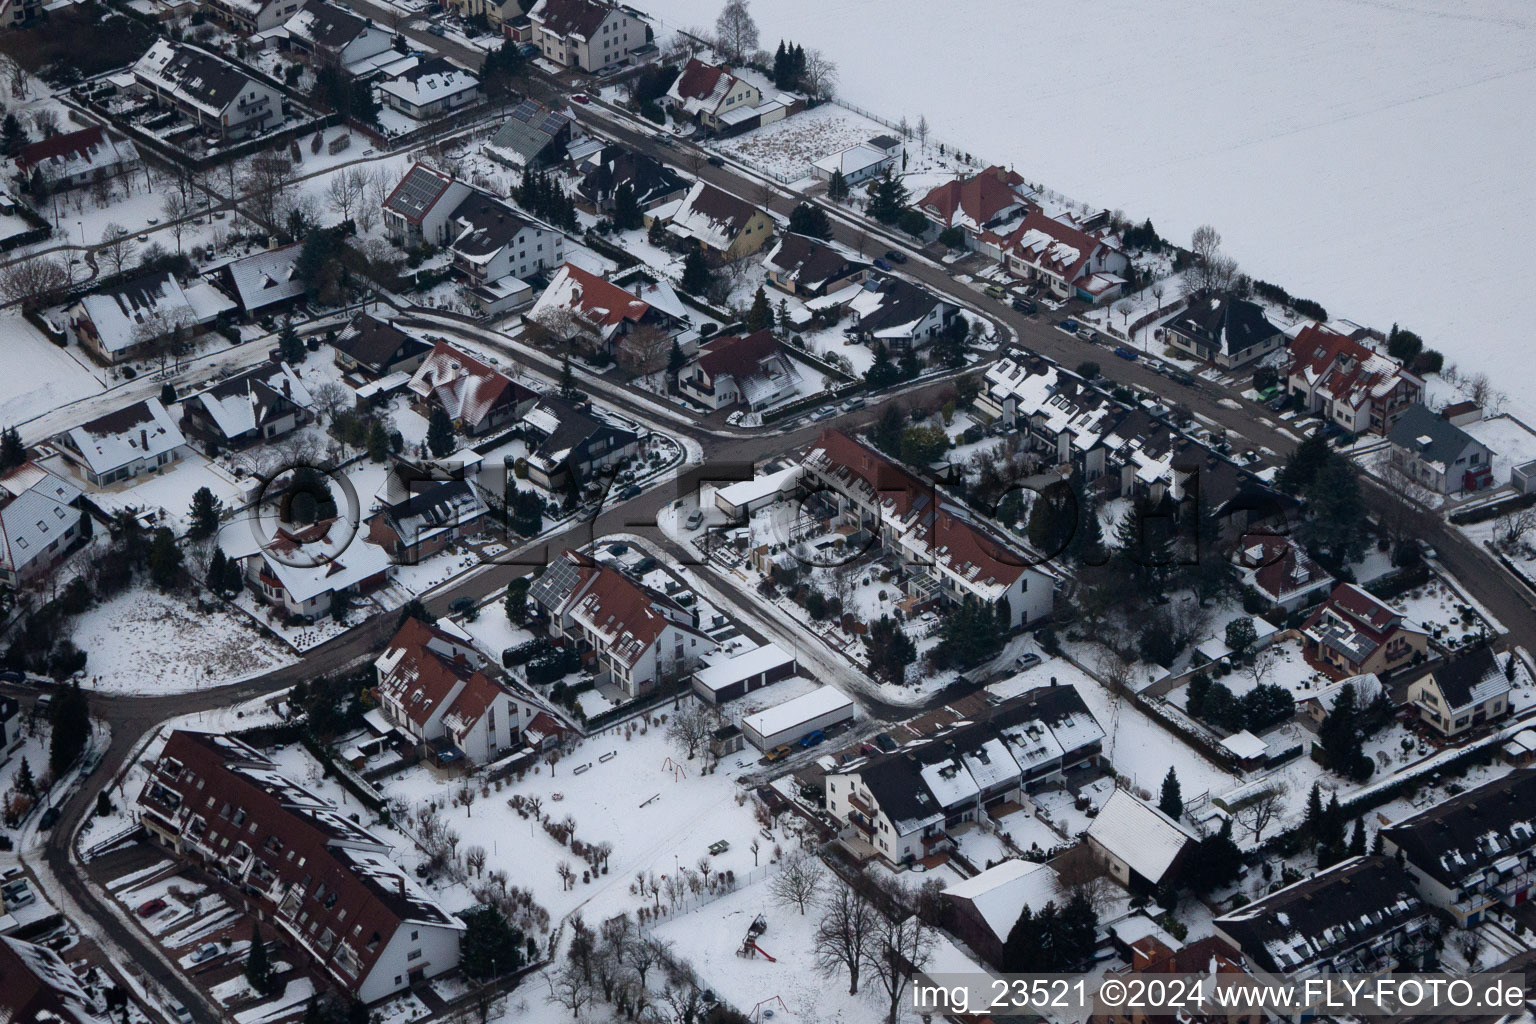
column 913, row 223
column 952, row 238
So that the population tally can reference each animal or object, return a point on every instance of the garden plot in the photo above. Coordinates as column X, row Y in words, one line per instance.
column 786, row 149
column 146, row 642
column 1447, row 616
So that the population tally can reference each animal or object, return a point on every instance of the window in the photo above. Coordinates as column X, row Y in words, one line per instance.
column 414, row 954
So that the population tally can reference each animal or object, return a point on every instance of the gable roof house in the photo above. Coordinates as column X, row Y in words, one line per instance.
column 862, row 162
column 216, row 95
column 1208, row 956
column 564, row 439
column 1359, row 916
column 719, row 222
column 432, row 684
column 981, row 203
column 579, row 307
column 309, row 570
column 495, row 249
column 140, row 438
column 39, row 523
column 1143, row 846
column 1354, row 632
column 264, row 402
column 806, row 267
column 1282, row 572
column 893, row 312
column 499, row 14
column 1067, row 260
column 477, row 397
column 431, row 89
column 754, row 371
column 421, row 207
column 613, row 167
column 37, row 987
column 1360, row 389
column 1474, row 851
column 333, row 36
column 75, row 158
column 266, row 282
column 705, row 92
column 586, row 34
column 325, row 881
column 251, row 16
column 985, row 907
column 1467, row 689
column 377, row 348
column 130, row 319
column 1435, row 453
column 637, row 636
column 900, row 805
column 533, row 135
column 419, row 514
column 1224, row 330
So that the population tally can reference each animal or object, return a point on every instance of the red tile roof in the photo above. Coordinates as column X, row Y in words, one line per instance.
column 468, row 389
column 980, row 197
column 737, row 356
column 423, row 679
column 889, row 482
column 67, row 144
column 699, row 79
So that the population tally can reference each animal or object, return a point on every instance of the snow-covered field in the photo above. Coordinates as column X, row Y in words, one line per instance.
column 1312, row 133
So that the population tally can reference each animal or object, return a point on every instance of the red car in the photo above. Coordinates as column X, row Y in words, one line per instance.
column 579, row 98
column 152, row 908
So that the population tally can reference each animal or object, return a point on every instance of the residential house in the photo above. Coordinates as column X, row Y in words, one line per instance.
column 613, row 167
column 478, row 398
column 266, row 283
column 586, row 35
column 1066, row 260
column 1469, row 688
column 1359, row 916
column 310, row 571
column 499, row 14
column 754, row 371
column 638, row 637
column 38, row 987
column 1436, row 454
column 910, row 517
column 1281, row 572
column 417, row 514
column 985, row 907
column 704, row 93
column 433, row 88
column 1320, row 701
column 432, row 685
column 330, row 35
column 568, row 443
column 377, row 348
column 863, row 162
column 122, row 445
column 211, row 93
column 1472, row 853
column 1224, row 330
column 18, row 12
column 1143, row 847
column 808, row 268
column 248, row 17
column 720, row 223
column 983, row 203
column 580, row 307
column 420, row 209
column 1200, row 959
column 899, row 805
column 265, row 402
column 141, row 316
column 77, row 158
column 899, row 315
column 39, row 523
column 495, row 249
column 532, row 136
column 325, row 882
column 1358, row 388
column 1354, row 632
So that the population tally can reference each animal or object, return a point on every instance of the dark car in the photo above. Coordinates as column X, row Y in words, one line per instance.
column 461, row 605
column 1126, row 353
column 10, row 676
column 883, row 263
column 49, row 819
column 812, row 738
column 152, row 907
column 894, row 256
column 629, row 492
column 1025, row 305
column 716, row 161
column 528, row 50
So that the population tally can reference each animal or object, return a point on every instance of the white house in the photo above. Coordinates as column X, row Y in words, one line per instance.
column 431, row 89
column 706, row 92
column 211, row 92
column 329, row 34
column 251, row 16
column 862, row 162
column 753, row 371
column 1467, row 689
column 38, row 522
column 130, row 319
column 124, row 444
column 421, row 207
column 1435, row 453
column 75, row 158
column 586, row 34
column 1070, row 262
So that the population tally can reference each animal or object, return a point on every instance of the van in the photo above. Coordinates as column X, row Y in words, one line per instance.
column 997, row 291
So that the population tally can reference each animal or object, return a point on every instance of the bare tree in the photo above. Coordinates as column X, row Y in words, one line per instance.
column 1205, row 243
column 895, row 952
column 46, row 122
column 1158, row 288
column 847, row 924
column 1125, row 307
column 330, row 398
column 922, row 131
column 1511, row 527
column 644, row 350
column 34, row 282
column 735, row 31
column 266, row 180
column 799, row 880
column 820, row 76
column 903, row 128
column 1212, row 270
column 644, row 952
column 474, row 860
column 570, row 988
column 1081, row 871
column 117, row 246
column 690, row 725
column 16, row 77
column 567, row 874
column 1261, row 664
column 1256, row 811
column 342, row 196
column 177, row 208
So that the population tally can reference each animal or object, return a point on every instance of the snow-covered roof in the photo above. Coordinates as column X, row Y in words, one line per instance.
column 712, row 217
column 1245, row 745
column 745, row 492
column 87, row 151
column 145, row 308
column 820, row 701
column 143, row 430
column 745, row 665
column 1001, row 893
column 432, row 81
column 1142, row 836
column 266, row 278
column 243, row 403
column 35, row 511
column 853, row 160
column 327, row 557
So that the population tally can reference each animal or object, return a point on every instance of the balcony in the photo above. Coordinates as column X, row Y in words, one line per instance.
column 861, row 805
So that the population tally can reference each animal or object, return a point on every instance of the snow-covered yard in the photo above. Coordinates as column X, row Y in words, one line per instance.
column 41, row 376
column 786, row 149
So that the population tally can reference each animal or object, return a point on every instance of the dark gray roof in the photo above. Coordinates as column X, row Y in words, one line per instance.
column 576, row 430
column 1428, row 436
column 649, row 179
column 1229, row 324
column 1470, row 676
column 330, row 26
column 206, row 78
column 376, row 344
column 1465, row 834
column 417, row 191
column 904, row 303
column 812, row 262
column 530, row 128
column 488, row 225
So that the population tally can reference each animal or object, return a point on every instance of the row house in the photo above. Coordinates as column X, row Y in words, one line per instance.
column 37, row 987
column 297, row 862
column 1069, row 262
column 39, row 523
column 248, row 17
column 431, row 684
column 1464, row 691
column 1473, row 853
column 261, row 404
column 1354, row 632
column 900, row 805
column 704, row 93
column 911, row 519
column 1359, row 389
column 212, row 93
column 586, row 35
column 477, row 397
column 754, row 371
column 77, row 158
column 1360, row 916
column 637, row 636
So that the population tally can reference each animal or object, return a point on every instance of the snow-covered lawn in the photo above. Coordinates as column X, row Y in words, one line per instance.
column 143, row 641
column 41, row 376
column 1511, row 441
column 168, row 493
column 786, row 149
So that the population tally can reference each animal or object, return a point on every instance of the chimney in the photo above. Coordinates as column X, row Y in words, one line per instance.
column 144, row 439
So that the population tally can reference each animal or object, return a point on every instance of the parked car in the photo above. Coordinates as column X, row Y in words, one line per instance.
column 778, row 753
column 695, row 518
column 857, row 402
column 629, row 492
column 1027, row 661
column 1180, row 377
column 11, row 676
column 436, row 30
column 883, row 263
column 461, row 605
column 20, row 898
column 1025, row 305
column 895, row 256
column 49, row 819
column 152, row 907
column 1281, row 402
column 205, row 953
column 716, row 161
column 1070, row 326
column 997, row 291
column 528, row 50
column 824, row 413
column 812, row 738
column 580, row 97
column 181, row 1014
column 1126, row 353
